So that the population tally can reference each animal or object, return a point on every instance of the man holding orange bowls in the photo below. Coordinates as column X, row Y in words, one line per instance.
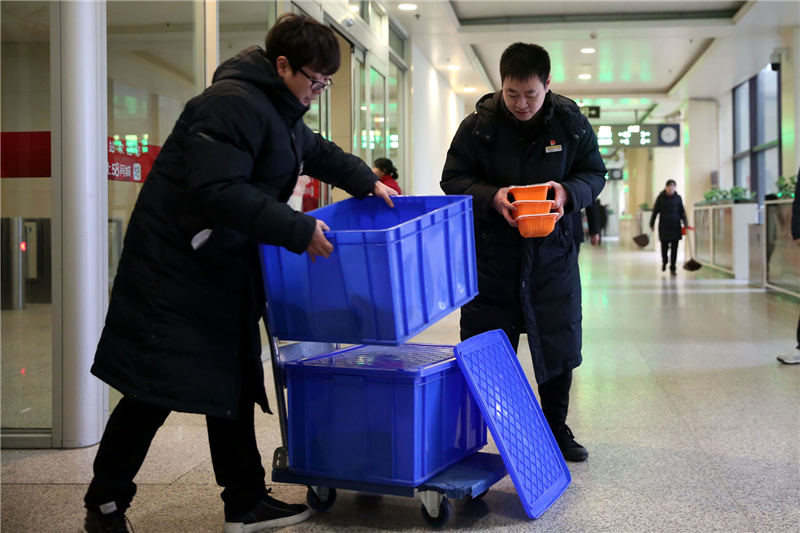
column 528, row 156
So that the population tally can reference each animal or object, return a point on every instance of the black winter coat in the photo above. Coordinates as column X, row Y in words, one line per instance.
column 182, row 325
column 533, row 282
column 671, row 213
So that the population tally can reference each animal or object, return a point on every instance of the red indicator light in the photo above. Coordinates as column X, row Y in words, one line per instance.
column 23, row 246
column 22, row 371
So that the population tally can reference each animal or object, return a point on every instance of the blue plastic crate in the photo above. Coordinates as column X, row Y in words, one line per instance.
column 381, row 414
column 515, row 419
column 392, row 273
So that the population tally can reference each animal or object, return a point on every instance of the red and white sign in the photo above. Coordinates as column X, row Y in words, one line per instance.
column 130, row 163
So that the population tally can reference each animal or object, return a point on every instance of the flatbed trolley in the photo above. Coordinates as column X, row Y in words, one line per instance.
column 469, row 478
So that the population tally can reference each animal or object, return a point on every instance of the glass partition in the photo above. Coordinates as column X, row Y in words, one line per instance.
column 702, row 220
column 26, row 356
column 243, row 24
column 722, row 222
column 783, row 254
column 377, row 133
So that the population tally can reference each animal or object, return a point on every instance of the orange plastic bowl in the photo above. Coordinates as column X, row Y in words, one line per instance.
column 531, row 207
column 529, row 192
column 536, row 225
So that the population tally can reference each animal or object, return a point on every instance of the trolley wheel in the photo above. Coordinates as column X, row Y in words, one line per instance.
column 444, row 514
column 321, row 504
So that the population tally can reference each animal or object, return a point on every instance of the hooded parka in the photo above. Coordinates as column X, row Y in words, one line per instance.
column 182, row 325
column 526, row 285
column 669, row 209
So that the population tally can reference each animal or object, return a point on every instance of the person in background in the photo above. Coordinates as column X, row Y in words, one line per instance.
column 592, row 227
column 793, row 357
column 387, row 173
column 521, row 135
column 669, row 207
column 181, row 333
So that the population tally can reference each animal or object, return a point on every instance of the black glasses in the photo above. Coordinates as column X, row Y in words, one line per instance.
column 317, row 85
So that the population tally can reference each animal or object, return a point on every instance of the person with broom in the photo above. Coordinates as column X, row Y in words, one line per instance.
column 670, row 208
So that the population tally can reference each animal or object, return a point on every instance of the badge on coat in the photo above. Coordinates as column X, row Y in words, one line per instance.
column 552, row 148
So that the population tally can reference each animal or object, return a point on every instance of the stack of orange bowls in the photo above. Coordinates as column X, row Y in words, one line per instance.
column 531, row 210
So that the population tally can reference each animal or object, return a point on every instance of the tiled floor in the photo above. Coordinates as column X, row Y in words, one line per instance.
column 691, row 425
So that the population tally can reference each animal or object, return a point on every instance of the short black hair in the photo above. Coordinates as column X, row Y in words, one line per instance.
column 304, row 42
column 671, row 182
column 520, row 61
column 386, row 167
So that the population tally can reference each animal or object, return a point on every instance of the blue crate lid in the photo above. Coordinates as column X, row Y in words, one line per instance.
column 416, row 359
column 515, row 419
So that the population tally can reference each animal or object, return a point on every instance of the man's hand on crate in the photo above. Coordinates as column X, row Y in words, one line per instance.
column 320, row 245
column 384, row 191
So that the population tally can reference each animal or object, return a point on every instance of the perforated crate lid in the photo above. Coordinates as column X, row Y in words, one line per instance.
column 515, row 419
column 417, row 359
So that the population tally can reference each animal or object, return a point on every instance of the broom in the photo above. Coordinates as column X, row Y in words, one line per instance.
column 691, row 265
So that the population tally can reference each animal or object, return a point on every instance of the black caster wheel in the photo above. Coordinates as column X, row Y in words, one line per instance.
column 444, row 514
column 319, row 504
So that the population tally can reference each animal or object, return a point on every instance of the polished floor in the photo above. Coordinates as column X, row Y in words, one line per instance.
column 691, row 424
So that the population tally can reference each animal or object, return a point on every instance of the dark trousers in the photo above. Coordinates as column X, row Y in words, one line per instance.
column 673, row 256
column 798, row 333
column 553, row 393
column 127, row 437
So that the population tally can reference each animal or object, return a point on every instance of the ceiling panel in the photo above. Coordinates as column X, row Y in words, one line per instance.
column 618, row 66
column 474, row 9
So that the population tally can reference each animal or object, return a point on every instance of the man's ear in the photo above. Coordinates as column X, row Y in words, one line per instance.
column 547, row 83
column 282, row 66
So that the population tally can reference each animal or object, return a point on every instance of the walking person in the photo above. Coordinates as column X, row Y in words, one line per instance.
column 669, row 207
column 521, row 135
column 181, row 333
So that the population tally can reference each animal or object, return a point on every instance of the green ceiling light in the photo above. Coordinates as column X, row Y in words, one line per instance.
column 557, row 73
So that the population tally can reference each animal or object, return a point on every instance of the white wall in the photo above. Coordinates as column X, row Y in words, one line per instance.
column 701, row 150
column 726, row 141
column 436, row 112
column 668, row 163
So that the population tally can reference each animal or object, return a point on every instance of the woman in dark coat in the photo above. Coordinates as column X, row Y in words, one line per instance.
column 182, row 326
column 523, row 135
column 669, row 207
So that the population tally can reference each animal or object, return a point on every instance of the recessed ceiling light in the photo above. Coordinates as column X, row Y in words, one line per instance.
column 470, row 89
column 588, row 50
column 355, row 9
column 584, row 76
column 453, row 67
column 363, row 108
column 407, row 7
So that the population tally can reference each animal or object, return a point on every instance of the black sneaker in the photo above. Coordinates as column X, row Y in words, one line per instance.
column 114, row 522
column 267, row 513
column 571, row 450
column 663, row 267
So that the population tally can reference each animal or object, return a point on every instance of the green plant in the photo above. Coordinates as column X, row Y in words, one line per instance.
column 711, row 195
column 739, row 193
column 786, row 185
column 644, row 207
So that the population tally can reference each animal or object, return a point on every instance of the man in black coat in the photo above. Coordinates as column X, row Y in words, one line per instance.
column 182, row 326
column 669, row 207
column 523, row 135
